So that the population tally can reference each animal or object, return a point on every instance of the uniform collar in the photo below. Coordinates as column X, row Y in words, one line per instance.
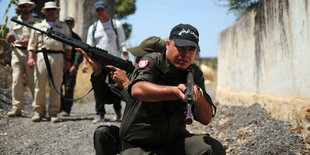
column 30, row 20
column 166, row 65
column 57, row 23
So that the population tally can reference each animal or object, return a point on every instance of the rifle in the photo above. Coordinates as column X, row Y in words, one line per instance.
column 100, row 55
column 189, row 96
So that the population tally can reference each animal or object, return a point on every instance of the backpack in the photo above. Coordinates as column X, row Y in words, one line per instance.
column 113, row 21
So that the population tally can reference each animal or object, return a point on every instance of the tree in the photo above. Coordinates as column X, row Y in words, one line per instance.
column 239, row 7
column 3, row 26
column 120, row 9
column 123, row 8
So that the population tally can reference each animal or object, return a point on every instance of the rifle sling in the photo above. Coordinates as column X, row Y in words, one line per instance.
column 50, row 75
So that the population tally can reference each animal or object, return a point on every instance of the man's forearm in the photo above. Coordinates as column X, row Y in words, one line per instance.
column 203, row 110
column 31, row 54
column 68, row 54
column 150, row 92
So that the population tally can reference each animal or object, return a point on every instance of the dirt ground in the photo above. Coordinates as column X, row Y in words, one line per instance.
column 242, row 130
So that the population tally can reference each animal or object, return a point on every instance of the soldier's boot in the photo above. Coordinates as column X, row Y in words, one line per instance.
column 55, row 119
column 37, row 117
column 15, row 113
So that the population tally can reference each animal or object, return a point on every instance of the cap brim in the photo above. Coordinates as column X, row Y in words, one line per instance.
column 58, row 9
column 184, row 42
column 137, row 51
column 99, row 7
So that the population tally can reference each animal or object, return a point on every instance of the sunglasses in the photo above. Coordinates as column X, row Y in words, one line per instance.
column 51, row 9
column 99, row 9
column 69, row 23
column 26, row 6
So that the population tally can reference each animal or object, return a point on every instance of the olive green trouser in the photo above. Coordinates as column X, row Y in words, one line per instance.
column 106, row 142
column 68, row 82
column 192, row 145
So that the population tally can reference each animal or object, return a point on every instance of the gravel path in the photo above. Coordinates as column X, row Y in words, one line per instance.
column 241, row 130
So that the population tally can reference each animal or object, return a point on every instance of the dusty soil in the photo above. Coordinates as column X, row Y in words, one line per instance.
column 242, row 130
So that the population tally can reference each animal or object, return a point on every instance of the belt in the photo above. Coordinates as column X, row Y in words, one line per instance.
column 21, row 47
column 51, row 51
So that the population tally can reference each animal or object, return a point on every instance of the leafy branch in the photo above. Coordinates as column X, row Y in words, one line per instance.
column 6, row 18
column 239, row 7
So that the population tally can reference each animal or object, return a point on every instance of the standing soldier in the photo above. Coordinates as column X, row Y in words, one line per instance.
column 57, row 53
column 18, row 37
column 70, row 76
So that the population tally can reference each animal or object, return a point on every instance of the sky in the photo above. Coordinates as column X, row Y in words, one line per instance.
column 158, row 17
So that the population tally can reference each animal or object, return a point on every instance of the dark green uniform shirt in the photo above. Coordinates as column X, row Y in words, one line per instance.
column 155, row 124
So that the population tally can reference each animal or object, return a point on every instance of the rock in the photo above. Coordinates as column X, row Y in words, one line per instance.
column 242, row 130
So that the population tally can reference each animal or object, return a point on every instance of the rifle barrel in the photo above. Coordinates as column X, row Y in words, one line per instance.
column 98, row 54
column 21, row 23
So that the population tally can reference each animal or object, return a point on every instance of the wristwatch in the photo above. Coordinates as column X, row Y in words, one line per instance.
column 201, row 92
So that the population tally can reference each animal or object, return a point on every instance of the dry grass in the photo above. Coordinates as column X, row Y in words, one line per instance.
column 83, row 84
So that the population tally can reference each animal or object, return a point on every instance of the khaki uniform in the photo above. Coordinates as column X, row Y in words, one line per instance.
column 37, row 42
column 19, row 62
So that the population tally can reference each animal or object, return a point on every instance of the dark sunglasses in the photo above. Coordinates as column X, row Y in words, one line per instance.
column 51, row 9
column 99, row 9
column 69, row 23
column 26, row 6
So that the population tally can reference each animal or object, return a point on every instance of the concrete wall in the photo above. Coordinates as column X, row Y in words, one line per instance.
column 265, row 58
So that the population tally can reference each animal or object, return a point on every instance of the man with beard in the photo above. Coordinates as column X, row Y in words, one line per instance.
column 59, row 55
column 18, row 38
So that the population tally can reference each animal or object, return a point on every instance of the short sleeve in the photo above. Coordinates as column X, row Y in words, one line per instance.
column 146, row 70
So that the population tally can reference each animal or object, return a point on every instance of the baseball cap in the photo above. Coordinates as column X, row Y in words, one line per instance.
column 185, row 35
column 99, row 4
column 149, row 45
column 69, row 19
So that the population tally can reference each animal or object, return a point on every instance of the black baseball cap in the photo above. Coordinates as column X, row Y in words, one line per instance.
column 185, row 35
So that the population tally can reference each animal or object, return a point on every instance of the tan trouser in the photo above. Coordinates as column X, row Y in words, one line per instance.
column 41, row 77
column 20, row 68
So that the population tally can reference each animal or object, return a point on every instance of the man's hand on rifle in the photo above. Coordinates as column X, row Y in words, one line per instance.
column 118, row 76
column 203, row 109
column 198, row 93
column 96, row 67
column 84, row 66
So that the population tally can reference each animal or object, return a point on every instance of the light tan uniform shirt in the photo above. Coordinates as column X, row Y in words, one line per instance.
column 36, row 43
column 19, row 62
column 56, row 60
column 21, row 31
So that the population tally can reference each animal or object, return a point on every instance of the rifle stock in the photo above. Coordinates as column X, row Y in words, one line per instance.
column 100, row 55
